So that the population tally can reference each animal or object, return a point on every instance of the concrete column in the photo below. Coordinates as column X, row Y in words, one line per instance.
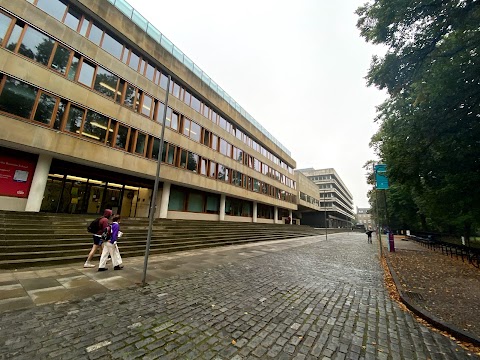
column 39, row 182
column 223, row 197
column 275, row 215
column 164, row 200
column 290, row 213
column 254, row 212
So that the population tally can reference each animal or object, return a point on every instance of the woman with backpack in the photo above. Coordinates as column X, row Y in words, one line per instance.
column 110, row 236
column 97, row 227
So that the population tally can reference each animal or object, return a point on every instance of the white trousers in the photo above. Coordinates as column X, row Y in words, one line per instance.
column 112, row 249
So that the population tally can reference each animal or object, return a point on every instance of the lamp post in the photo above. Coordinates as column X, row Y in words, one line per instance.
column 154, row 195
column 325, row 213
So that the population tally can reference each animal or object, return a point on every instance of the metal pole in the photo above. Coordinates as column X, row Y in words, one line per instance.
column 155, row 188
column 325, row 213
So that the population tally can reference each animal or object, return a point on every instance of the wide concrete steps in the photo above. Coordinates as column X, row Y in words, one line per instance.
column 29, row 239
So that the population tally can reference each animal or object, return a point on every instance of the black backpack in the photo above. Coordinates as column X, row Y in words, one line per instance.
column 94, row 226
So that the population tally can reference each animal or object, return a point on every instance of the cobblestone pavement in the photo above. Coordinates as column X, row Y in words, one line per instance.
column 324, row 300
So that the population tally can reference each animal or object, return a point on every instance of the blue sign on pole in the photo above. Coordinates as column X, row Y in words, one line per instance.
column 381, row 177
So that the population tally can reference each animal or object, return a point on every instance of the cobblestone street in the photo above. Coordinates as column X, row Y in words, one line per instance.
column 323, row 300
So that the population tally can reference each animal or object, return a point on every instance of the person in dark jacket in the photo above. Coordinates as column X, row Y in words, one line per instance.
column 369, row 236
column 97, row 238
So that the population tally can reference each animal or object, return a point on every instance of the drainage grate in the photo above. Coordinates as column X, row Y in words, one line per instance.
column 415, row 296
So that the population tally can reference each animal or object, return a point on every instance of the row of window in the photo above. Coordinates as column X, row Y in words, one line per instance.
column 35, row 45
column 74, row 19
column 309, row 199
column 25, row 101
column 185, row 199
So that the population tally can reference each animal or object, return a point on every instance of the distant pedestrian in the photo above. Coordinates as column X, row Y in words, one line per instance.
column 97, row 238
column 110, row 246
column 369, row 236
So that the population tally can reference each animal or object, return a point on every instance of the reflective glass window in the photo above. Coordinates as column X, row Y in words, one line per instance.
column 177, row 200
column 205, row 110
column 183, row 158
column 203, row 167
column 45, row 107
column 212, row 204
column 95, row 34
column 53, row 8
column 222, row 173
column 84, row 27
column 163, row 81
column 60, row 59
column 95, row 126
column 129, row 96
column 195, row 132
column 74, row 119
column 106, row 82
column 17, row 98
column 141, row 142
column 159, row 111
column 150, row 73
column 171, row 154
column 155, row 148
column 143, row 63
column 72, row 71
column 214, row 143
column 192, row 162
column 195, row 202
column 112, row 46
column 62, row 105
column 195, row 104
column 186, row 126
column 36, row 46
column 223, row 149
column 206, row 137
column 86, row 74
column 122, row 137
column 176, row 90
column 187, row 97
column 223, row 123
column 174, row 121
column 212, row 170
column 14, row 36
column 147, row 105
column 134, row 60
column 168, row 117
column 4, row 25
column 213, row 116
column 72, row 19
column 256, row 185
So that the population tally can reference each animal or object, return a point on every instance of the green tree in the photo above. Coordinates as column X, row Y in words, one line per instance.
column 429, row 133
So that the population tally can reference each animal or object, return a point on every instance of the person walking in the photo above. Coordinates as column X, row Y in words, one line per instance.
column 369, row 236
column 110, row 246
column 97, row 238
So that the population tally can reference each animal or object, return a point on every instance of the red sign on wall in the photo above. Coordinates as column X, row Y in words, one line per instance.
column 15, row 176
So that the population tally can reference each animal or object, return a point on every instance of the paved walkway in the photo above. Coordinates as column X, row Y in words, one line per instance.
column 295, row 299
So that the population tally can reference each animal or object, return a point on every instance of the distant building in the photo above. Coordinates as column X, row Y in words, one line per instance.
column 336, row 201
column 364, row 217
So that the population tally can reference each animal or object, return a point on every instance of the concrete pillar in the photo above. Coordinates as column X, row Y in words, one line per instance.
column 275, row 215
column 164, row 200
column 223, row 197
column 39, row 182
column 290, row 213
column 254, row 219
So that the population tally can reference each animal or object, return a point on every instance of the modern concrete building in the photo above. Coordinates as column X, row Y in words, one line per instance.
column 83, row 86
column 336, row 202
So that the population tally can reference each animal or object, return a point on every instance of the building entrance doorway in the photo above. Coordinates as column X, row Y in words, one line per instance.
column 72, row 194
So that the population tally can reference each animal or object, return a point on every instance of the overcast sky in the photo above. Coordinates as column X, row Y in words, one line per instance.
column 297, row 67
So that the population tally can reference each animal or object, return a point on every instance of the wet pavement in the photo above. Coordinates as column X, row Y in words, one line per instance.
column 294, row 299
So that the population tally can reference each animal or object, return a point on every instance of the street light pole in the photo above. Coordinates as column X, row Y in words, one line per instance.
column 154, row 195
column 325, row 213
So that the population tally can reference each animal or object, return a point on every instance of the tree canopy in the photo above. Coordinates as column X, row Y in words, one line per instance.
column 429, row 134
